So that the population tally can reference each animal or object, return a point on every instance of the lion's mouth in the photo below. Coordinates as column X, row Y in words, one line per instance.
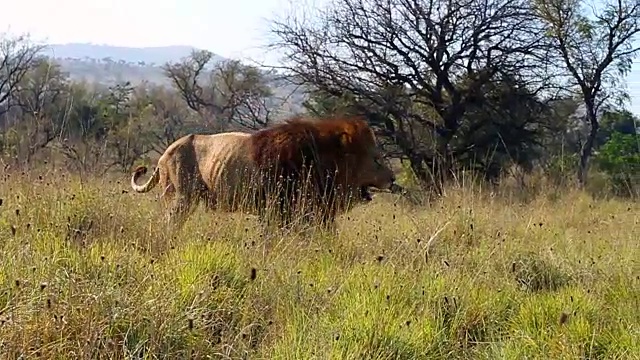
column 365, row 194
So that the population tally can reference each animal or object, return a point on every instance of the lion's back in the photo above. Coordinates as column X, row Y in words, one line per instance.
column 224, row 161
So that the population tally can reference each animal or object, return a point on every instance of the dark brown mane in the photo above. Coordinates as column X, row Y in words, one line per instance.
column 297, row 132
column 299, row 140
column 285, row 150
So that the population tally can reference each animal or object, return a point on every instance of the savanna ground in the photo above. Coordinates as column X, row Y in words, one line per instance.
column 508, row 274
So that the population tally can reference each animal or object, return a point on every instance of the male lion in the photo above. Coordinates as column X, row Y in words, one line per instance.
column 313, row 169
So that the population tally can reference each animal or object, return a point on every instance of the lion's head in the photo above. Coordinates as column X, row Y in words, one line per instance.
column 365, row 165
column 345, row 151
column 326, row 161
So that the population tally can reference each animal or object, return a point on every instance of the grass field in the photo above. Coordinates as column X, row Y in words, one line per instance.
column 85, row 273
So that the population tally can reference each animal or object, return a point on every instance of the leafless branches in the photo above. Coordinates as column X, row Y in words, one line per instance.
column 425, row 63
column 228, row 93
column 17, row 55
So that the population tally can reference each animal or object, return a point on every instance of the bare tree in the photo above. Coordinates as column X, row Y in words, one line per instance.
column 420, row 64
column 171, row 117
column 227, row 93
column 17, row 55
column 597, row 50
column 247, row 90
column 128, row 135
column 41, row 97
column 85, row 138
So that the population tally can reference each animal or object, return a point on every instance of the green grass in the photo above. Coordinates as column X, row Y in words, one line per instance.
column 86, row 272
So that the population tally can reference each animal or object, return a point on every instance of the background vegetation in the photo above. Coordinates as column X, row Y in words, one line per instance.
column 506, row 119
column 480, row 274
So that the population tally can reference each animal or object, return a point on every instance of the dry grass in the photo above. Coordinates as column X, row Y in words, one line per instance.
column 85, row 274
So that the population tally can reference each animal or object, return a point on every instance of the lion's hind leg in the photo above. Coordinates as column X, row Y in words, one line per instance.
column 179, row 211
column 167, row 195
column 183, row 191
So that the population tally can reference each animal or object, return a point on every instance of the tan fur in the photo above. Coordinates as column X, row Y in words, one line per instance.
column 195, row 168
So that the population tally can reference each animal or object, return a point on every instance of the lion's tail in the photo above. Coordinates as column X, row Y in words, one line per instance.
column 153, row 180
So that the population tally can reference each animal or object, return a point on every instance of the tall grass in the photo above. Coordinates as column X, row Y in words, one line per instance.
column 86, row 271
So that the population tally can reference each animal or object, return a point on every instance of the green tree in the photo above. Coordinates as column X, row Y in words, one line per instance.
column 169, row 117
column 619, row 157
column 622, row 121
column 596, row 49
column 123, row 115
column 84, row 139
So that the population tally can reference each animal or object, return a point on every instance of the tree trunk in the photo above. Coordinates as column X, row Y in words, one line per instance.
column 416, row 161
column 587, row 148
column 442, row 161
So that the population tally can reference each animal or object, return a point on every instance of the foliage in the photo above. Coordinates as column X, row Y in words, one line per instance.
column 621, row 121
column 423, row 65
column 45, row 116
column 17, row 54
column 596, row 50
column 226, row 94
column 619, row 158
column 470, row 110
column 423, row 71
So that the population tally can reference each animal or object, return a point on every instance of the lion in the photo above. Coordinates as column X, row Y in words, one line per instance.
column 311, row 169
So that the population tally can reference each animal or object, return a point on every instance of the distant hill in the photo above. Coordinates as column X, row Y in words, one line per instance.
column 107, row 65
column 147, row 55
column 108, row 72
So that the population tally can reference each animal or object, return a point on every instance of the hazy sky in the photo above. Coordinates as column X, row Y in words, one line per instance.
column 231, row 28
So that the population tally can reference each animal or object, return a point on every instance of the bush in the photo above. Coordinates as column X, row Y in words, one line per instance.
column 619, row 158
